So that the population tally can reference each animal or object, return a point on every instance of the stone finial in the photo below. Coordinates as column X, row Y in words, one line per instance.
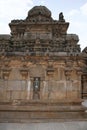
column 61, row 17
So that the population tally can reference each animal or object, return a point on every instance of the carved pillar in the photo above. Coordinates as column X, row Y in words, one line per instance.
column 79, row 75
column 29, row 90
column 68, row 69
column 84, row 86
column 68, row 73
column 50, row 69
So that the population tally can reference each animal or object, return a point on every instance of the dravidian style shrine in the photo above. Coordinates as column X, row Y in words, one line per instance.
column 43, row 72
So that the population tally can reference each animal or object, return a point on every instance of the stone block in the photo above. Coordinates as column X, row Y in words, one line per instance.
column 5, row 95
column 17, row 85
column 74, row 75
column 75, row 86
column 21, row 95
column 72, row 94
column 60, row 95
column 2, row 87
column 60, row 86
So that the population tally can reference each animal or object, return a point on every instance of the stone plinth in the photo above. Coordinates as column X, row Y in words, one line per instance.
column 44, row 111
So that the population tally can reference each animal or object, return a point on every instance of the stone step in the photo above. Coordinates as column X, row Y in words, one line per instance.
column 41, row 111
column 35, row 116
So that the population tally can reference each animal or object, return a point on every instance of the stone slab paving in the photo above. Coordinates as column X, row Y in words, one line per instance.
column 78, row 125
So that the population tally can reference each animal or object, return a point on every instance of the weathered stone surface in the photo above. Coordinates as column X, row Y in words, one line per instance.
column 78, row 125
column 40, row 64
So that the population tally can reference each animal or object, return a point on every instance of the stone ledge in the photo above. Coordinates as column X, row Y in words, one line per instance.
column 34, row 111
column 25, row 117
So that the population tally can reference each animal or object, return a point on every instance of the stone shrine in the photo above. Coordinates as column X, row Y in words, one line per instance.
column 43, row 73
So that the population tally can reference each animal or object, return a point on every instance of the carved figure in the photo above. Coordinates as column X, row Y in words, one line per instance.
column 61, row 17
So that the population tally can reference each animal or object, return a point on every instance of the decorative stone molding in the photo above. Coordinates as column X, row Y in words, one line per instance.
column 24, row 72
column 6, row 72
column 68, row 73
column 50, row 70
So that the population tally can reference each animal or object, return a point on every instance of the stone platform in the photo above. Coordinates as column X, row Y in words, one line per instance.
column 79, row 125
column 41, row 111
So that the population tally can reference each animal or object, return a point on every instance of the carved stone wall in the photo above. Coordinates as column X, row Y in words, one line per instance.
column 59, row 80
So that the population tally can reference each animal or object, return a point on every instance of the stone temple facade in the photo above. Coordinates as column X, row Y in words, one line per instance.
column 43, row 73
